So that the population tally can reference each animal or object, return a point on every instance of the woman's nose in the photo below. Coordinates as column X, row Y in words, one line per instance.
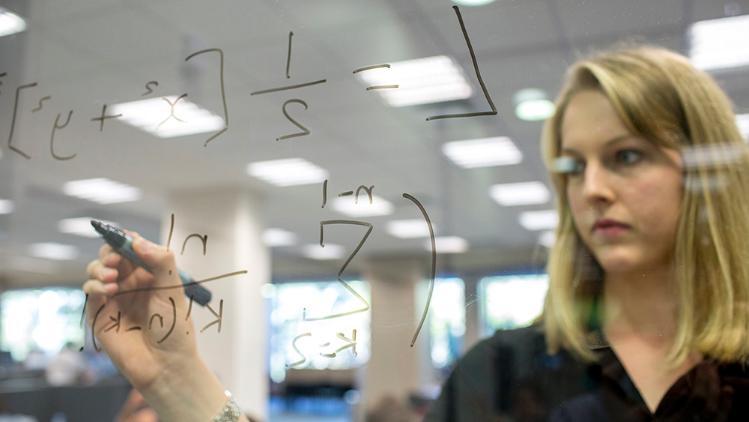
column 597, row 184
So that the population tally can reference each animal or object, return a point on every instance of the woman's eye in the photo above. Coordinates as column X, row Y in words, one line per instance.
column 628, row 156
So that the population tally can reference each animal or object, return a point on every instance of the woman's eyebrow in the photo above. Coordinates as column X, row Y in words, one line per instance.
column 608, row 143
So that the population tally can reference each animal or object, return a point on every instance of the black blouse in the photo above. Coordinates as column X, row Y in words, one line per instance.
column 510, row 377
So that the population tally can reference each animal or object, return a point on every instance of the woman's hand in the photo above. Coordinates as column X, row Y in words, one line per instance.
column 141, row 319
column 136, row 318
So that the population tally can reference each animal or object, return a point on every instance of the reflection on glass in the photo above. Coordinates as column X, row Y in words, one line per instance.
column 40, row 319
column 447, row 321
column 324, row 346
column 511, row 301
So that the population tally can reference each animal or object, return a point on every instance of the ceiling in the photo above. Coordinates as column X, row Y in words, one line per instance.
column 85, row 54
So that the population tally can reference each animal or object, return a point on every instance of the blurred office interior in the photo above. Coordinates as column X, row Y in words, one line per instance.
column 96, row 125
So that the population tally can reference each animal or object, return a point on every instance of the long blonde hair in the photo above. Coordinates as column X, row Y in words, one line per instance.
column 661, row 97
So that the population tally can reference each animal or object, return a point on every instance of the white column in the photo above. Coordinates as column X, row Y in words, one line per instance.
column 231, row 220
column 394, row 368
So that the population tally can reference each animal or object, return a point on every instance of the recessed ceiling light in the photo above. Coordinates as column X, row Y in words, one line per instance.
column 526, row 193
column 484, row 152
column 274, row 237
column 10, row 23
column 448, row 244
column 287, row 172
column 330, row 251
column 6, row 206
column 539, row 220
column 720, row 43
column 101, row 190
column 472, row 2
column 742, row 121
column 168, row 117
column 361, row 207
column 80, row 226
column 56, row 251
column 420, row 81
column 532, row 104
column 408, row 229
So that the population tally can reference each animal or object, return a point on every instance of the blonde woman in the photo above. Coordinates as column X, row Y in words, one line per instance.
column 647, row 314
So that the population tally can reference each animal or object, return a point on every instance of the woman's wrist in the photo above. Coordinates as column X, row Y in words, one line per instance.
column 186, row 391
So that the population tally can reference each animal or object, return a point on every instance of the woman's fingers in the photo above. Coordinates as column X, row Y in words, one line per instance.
column 104, row 250
column 159, row 259
column 96, row 288
column 97, row 270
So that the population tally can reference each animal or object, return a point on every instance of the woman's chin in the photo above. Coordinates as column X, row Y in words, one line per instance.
column 619, row 262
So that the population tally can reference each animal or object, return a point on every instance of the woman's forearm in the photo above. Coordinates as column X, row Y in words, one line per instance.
column 186, row 391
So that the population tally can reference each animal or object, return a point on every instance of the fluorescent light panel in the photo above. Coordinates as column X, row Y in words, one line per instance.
column 532, row 104
column 154, row 116
column 720, row 43
column 6, row 206
column 483, row 152
column 408, row 229
column 448, row 244
column 539, row 220
column 287, row 172
column 534, row 110
column 421, row 81
column 274, row 237
column 10, row 23
column 80, row 226
column 330, row 251
column 362, row 208
column 56, row 251
column 101, row 190
column 526, row 193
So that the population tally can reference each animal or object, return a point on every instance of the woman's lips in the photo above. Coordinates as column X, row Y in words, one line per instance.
column 610, row 229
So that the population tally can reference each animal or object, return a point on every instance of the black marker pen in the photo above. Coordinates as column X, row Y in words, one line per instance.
column 123, row 245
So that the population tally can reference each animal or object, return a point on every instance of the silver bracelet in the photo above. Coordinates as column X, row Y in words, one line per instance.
column 230, row 411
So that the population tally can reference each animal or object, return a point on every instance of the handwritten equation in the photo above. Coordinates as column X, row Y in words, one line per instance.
column 104, row 114
column 114, row 323
column 342, row 341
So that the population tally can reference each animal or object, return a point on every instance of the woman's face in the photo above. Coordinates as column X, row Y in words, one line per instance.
column 624, row 192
